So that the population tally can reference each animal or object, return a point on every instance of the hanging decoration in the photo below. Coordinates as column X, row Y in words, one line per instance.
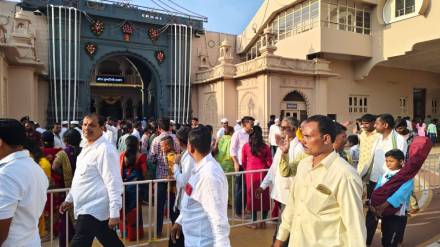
column 127, row 29
column 91, row 49
column 160, row 56
column 153, row 33
column 97, row 27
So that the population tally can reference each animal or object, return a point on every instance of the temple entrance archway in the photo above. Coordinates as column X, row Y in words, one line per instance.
column 294, row 105
column 122, row 87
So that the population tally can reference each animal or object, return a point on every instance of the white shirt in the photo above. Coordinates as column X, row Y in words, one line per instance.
column 273, row 131
column 97, row 184
column 40, row 130
column 382, row 146
column 182, row 173
column 63, row 130
column 238, row 140
column 108, row 135
column 136, row 134
column 114, row 131
column 409, row 125
column 22, row 197
column 281, row 185
column 220, row 132
column 58, row 142
column 237, row 127
column 203, row 216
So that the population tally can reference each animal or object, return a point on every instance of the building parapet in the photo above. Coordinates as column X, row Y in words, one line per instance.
column 268, row 62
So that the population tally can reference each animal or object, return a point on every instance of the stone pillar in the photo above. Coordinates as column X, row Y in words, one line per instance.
column 320, row 96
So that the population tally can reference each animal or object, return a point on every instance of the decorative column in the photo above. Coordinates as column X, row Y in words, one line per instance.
column 267, row 47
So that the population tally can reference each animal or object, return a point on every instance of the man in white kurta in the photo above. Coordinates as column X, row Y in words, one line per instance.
column 203, row 216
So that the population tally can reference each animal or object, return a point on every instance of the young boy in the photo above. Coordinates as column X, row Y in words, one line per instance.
column 166, row 147
column 392, row 226
column 353, row 152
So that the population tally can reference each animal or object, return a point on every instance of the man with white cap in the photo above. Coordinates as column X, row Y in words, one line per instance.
column 74, row 125
column 64, row 126
column 221, row 131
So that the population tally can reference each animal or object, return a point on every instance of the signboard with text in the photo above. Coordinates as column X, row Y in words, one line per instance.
column 109, row 79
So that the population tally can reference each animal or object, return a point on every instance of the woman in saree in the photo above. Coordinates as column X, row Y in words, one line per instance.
column 224, row 158
column 65, row 163
column 133, row 168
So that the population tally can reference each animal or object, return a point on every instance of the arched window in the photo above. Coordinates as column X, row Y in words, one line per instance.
column 294, row 96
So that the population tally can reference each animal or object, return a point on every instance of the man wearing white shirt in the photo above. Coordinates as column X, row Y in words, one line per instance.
column 110, row 125
column 221, row 131
column 64, row 128
column 96, row 188
column 274, row 130
column 238, row 140
column 57, row 140
column 135, row 131
column 23, row 189
column 388, row 140
column 203, row 216
column 183, row 165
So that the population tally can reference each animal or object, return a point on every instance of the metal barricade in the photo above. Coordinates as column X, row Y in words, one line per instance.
column 252, row 212
column 147, row 203
column 428, row 177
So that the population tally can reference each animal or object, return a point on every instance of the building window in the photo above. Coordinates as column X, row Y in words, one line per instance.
column 404, row 7
column 357, row 104
column 434, row 106
column 345, row 15
column 403, row 106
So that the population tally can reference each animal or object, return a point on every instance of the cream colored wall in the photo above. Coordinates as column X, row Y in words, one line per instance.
column 399, row 37
column 200, row 46
column 208, row 97
column 39, row 24
column 345, row 43
column 300, row 45
column 3, row 86
column 281, row 85
column 384, row 86
column 43, row 101
column 22, row 93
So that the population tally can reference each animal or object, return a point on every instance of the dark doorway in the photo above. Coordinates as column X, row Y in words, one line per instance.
column 419, row 103
column 113, row 110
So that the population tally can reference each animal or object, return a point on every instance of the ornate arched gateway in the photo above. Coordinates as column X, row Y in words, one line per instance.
column 118, row 60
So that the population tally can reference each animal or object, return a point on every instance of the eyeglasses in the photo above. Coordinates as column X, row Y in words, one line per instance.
column 285, row 128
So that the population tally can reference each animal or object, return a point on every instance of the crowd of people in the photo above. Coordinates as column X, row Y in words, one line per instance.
column 320, row 178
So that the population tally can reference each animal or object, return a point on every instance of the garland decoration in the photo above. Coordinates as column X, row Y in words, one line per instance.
column 153, row 33
column 91, row 49
column 160, row 56
column 97, row 27
column 127, row 30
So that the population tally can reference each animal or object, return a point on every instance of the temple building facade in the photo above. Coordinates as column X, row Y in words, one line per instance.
column 341, row 58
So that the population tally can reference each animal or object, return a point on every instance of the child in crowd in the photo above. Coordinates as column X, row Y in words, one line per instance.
column 353, row 151
column 392, row 226
column 166, row 147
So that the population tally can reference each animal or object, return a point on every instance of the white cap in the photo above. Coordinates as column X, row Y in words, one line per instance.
column 224, row 120
column 74, row 122
column 64, row 122
column 238, row 121
column 172, row 122
column 256, row 123
column 277, row 120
